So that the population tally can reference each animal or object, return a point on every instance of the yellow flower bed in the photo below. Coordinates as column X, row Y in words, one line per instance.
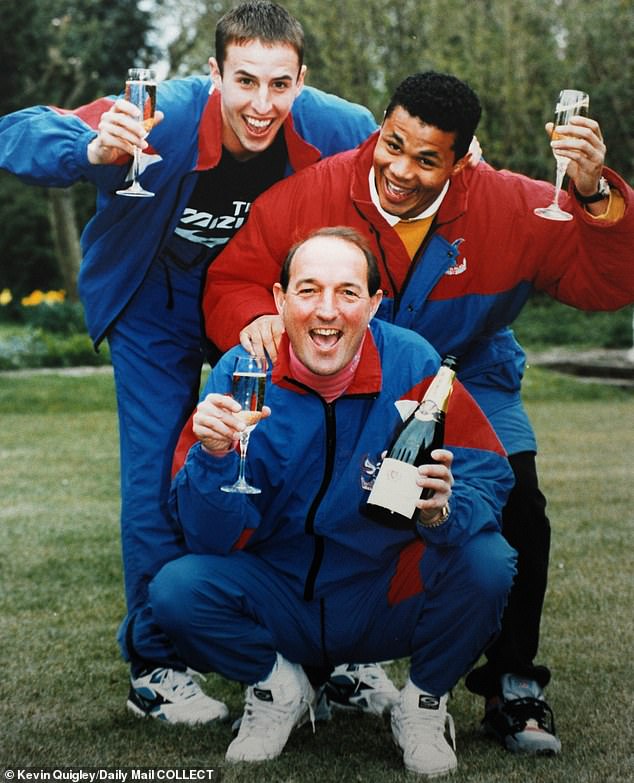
column 38, row 297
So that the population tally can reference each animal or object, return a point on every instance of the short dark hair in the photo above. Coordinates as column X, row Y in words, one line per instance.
column 258, row 20
column 347, row 234
column 443, row 101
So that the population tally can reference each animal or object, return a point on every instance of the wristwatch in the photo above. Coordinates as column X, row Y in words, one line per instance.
column 603, row 191
column 444, row 516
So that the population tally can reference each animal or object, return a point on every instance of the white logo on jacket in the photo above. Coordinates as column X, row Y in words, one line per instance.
column 457, row 268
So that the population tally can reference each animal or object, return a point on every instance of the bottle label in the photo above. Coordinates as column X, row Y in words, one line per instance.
column 395, row 487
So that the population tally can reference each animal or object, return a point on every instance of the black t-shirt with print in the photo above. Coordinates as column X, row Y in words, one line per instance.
column 221, row 200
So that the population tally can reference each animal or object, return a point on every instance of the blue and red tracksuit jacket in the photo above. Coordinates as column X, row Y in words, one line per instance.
column 484, row 255
column 45, row 145
column 308, row 459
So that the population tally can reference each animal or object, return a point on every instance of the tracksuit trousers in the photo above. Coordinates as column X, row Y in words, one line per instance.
column 157, row 351
column 527, row 528
column 232, row 613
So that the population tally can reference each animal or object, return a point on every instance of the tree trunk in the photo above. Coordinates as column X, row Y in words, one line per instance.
column 66, row 237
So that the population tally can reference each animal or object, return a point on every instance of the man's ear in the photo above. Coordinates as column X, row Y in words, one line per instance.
column 300, row 79
column 459, row 165
column 376, row 301
column 280, row 297
column 216, row 76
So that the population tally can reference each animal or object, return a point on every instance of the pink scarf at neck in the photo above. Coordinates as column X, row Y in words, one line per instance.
column 329, row 387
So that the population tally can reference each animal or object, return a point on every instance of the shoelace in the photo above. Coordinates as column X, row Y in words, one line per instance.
column 520, row 711
column 265, row 715
column 419, row 725
column 371, row 673
column 180, row 683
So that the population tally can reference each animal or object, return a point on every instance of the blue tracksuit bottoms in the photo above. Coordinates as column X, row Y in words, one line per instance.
column 157, row 353
column 232, row 613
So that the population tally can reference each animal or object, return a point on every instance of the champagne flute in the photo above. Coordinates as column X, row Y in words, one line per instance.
column 569, row 104
column 248, row 384
column 140, row 89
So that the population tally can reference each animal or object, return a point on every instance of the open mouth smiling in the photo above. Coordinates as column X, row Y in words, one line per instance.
column 396, row 193
column 325, row 338
column 257, row 127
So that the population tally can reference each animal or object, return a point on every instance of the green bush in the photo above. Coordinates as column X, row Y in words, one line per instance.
column 23, row 347
column 56, row 317
column 48, row 334
column 59, row 318
column 544, row 323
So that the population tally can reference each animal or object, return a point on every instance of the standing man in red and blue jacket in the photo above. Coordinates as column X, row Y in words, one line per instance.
column 218, row 143
column 460, row 252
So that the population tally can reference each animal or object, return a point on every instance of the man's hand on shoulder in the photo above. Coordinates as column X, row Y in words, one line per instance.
column 263, row 335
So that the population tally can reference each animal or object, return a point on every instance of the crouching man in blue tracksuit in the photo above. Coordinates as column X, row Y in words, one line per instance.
column 296, row 576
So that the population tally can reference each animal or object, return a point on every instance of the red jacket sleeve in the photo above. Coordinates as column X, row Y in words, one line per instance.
column 239, row 283
column 599, row 274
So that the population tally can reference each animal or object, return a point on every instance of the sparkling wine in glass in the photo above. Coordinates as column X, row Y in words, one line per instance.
column 247, row 388
column 569, row 104
column 140, row 89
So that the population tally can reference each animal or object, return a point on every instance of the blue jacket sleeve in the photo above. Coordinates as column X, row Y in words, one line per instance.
column 212, row 521
column 483, row 482
column 330, row 123
column 47, row 146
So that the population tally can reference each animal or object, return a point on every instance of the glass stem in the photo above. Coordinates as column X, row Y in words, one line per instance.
column 561, row 170
column 135, row 164
column 244, row 445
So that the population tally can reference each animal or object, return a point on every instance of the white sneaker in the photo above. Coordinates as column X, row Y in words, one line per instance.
column 361, row 686
column 173, row 696
column 273, row 708
column 418, row 728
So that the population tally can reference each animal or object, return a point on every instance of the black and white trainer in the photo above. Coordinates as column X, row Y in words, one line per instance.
column 364, row 687
column 174, row 697
column 520, row 719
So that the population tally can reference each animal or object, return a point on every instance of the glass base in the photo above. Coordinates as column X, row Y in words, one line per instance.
column 552, row 213
column 243, row 487
column 135, row 190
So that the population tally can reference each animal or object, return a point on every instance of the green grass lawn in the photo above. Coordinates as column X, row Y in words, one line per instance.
column 64, row 687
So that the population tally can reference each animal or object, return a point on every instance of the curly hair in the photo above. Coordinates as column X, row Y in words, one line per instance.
column 443, row 101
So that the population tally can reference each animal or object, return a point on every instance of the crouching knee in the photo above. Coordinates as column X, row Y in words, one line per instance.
column 171, row 593
column 488, row 564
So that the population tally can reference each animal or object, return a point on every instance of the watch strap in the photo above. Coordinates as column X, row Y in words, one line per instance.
column 602, row 192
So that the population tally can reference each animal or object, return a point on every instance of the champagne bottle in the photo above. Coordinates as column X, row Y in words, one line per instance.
column 392, row 501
